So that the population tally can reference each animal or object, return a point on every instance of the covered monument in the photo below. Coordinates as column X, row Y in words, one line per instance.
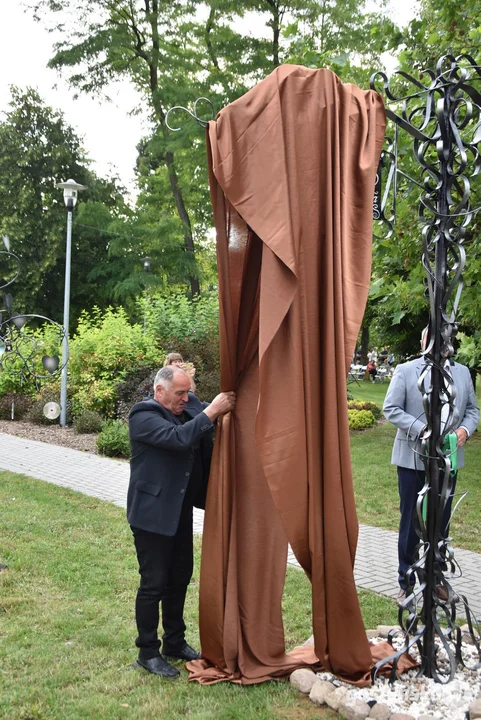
column 292, row 170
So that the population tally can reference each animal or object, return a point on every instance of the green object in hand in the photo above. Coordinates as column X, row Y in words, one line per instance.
column 450, row 447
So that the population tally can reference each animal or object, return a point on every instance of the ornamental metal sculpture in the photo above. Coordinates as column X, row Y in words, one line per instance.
column 22, row 352
column 443, row 116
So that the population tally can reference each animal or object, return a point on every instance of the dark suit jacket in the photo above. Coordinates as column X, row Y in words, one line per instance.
column 162, row 455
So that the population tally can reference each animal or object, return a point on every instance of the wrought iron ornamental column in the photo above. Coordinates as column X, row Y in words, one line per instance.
column 443, row 116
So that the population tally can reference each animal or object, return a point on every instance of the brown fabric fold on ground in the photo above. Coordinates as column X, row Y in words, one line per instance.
column 207, row 674
column 292, row 169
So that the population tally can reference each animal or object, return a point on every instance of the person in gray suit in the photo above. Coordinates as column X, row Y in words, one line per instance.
column 403, row 407
column 171, row 438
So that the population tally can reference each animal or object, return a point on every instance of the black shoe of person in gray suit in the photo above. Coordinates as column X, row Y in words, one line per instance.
column 158, row 666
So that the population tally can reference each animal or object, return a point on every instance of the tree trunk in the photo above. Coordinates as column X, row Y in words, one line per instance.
column 275, row 43
column 209, row 26
column 169, row 157
column 275, row 40
column 364, row 343
column 179, row 203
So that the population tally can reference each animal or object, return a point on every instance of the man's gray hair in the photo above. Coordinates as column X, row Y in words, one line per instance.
column 166, row 374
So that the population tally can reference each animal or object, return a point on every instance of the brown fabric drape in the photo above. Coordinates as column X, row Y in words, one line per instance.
column 292, row 169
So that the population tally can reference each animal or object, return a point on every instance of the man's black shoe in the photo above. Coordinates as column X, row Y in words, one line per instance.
column 158, row 666
column 185, row 653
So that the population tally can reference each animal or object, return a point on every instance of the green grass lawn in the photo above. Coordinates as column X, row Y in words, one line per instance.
column 67, row 626
column 375, row 479
column 366, row 390
column 66, row 601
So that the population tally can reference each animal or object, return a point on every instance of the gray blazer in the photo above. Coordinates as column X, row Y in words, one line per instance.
column 404, row 408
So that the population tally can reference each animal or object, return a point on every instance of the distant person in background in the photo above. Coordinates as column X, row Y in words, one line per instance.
column 177, row 359
column 372, row 369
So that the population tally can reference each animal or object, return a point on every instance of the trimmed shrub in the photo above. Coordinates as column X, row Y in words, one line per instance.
column 208, row 384
column 136, row 386
column 365, row 405
column 21, row 403
column 105, row 348
column 190, row 327
column 88, row 421
column 113, row 439
column 360, row 419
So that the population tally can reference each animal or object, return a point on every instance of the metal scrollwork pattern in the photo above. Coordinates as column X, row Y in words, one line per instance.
column 22, row 348
column 442, row 114
column 384, row 206
column 193, row 114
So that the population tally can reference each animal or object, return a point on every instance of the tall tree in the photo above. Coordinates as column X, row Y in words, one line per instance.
column 341, row 35
column 173, row 51
column 38, row 150
column 146, row 41
column 442, row 27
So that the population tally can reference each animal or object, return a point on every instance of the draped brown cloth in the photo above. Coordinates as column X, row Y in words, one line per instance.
column 292, row 171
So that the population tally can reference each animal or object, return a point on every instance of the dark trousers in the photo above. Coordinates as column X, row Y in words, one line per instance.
column 410, row 482
column 165, row 568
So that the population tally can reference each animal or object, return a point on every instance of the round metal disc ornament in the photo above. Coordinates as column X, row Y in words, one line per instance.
column 51, row 410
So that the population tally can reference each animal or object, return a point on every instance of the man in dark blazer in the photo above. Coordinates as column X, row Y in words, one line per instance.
column 404, row 408
column 171, row 439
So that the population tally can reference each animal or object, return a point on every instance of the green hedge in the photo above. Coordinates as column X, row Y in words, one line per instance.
column 360, row 419
column 21, row 405
column 113, row 361
column 106, row 347
column 190, row 327
column 113, row 439
column 88, row 421
column 365, row 405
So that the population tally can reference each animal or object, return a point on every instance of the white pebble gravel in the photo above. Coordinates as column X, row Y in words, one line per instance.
column 419, row 696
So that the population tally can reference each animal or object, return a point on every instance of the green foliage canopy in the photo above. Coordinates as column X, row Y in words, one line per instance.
column 38, row 150
column 173, row 52
column 398, row 305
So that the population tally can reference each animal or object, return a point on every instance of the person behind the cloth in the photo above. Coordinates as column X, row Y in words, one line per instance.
column 175, row 358
column 171, row 440
column 404, row 408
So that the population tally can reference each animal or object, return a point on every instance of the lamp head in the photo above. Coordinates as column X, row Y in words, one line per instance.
column 70, row 192
column 147, row 263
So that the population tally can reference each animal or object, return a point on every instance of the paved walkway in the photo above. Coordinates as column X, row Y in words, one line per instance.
column 376, row 558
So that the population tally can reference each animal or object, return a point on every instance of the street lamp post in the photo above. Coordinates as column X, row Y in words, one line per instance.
column 70, row 192
column 146, row 261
